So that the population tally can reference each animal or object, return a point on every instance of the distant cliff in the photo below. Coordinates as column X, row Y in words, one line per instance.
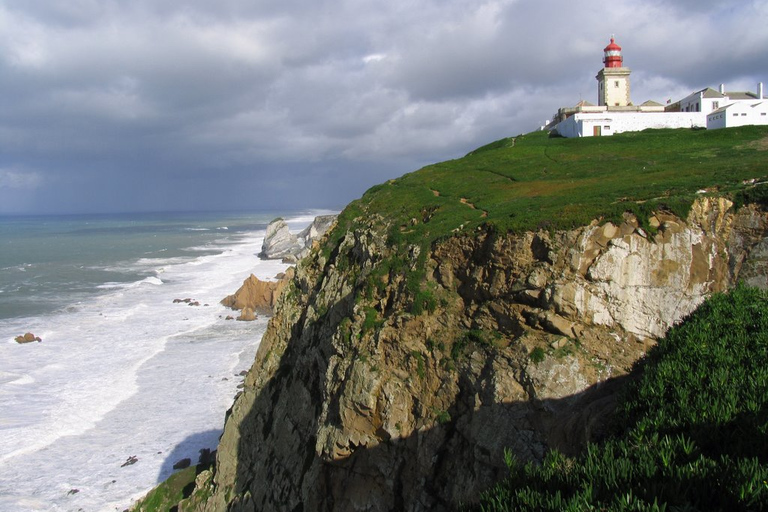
column 280, row 243
column 414, row 345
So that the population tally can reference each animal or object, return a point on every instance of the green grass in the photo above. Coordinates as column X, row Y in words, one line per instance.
column 536, row 181
column 169, row 493
column 690, row 434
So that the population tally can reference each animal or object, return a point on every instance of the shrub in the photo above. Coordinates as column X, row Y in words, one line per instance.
column 424, row 300
column 372, row 321
column 537, row 355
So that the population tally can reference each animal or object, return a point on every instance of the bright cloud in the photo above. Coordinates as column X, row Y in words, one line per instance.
column 18, row 180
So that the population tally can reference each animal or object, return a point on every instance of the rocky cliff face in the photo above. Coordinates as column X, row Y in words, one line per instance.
column 280, row 244
column 369, row 395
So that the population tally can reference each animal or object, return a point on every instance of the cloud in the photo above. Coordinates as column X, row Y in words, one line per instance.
column 19, row 180
column 103, row 97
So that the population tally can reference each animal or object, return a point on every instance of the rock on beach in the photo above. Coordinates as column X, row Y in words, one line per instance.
column 27, row 338
column 257, row 295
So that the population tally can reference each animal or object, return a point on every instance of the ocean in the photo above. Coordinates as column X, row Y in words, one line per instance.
column 125, row 382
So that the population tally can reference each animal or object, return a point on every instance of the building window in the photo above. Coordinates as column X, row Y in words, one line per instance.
column 715, row 105
column 735, row 115
column 743, row 114
column 616, row 83
column 762, row 113
column 607, row 127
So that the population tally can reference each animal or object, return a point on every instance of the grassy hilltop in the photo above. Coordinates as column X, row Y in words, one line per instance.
column 533, row 181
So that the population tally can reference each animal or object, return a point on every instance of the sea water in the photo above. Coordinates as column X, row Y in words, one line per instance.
column 125, row 382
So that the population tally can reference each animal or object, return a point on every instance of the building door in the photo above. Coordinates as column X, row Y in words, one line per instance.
column 596, row 131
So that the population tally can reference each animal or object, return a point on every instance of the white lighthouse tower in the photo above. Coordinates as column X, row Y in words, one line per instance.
column 613, row 79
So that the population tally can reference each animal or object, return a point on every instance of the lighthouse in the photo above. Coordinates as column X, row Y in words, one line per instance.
column 613, row 79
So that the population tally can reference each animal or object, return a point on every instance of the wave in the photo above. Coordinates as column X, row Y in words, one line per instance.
column 152, row 280
column 145, row 263
column 114, row 285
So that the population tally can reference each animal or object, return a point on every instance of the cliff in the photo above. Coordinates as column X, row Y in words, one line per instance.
column 357, row 403
column 256, row 295
column 416, row 344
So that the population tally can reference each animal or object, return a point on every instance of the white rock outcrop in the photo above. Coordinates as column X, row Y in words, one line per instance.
column 280, row 244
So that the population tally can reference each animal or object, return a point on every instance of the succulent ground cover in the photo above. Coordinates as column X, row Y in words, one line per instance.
column 691, row 433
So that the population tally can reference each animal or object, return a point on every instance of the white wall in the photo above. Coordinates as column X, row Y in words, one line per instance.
column 582, row 125
column 716, row 120
column 739, row 114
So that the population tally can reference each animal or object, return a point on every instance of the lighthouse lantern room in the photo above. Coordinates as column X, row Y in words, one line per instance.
column 613, row 58
column 613, row 79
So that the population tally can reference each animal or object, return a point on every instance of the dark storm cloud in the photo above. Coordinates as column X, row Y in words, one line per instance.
column 180, row 104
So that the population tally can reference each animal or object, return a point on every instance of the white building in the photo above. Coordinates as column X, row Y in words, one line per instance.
column 739, row 114
column 615, row 112
column 708, row 100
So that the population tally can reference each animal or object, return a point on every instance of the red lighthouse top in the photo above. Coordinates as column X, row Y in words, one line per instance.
column 613, row 58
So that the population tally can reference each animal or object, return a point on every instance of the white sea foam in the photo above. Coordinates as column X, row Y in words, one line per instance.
column 127, row 373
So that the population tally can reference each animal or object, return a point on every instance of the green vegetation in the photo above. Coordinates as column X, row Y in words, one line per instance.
column 533, row 181
column 421, row 370
column 691, row 433
column 167, row 495
column 537, row 355
column 424, row 300
column 472, row 337
column 372, row 320
column 442, row 417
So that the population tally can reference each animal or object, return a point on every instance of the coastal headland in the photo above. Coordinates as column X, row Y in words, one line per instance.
column 483, row 309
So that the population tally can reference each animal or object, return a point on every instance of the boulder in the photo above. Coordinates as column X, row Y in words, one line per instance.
column 258, row 295
column 130, row 461
column 247, row 315
column 280, row 244
column 27, row 338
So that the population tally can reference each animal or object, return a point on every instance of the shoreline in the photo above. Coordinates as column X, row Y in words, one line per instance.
column 104, row 442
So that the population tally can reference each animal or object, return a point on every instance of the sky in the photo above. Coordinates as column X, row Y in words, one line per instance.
column 167, row 105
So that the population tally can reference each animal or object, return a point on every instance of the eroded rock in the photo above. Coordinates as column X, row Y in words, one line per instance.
column 258, row 295
column 27, row 338
column 280, row 244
